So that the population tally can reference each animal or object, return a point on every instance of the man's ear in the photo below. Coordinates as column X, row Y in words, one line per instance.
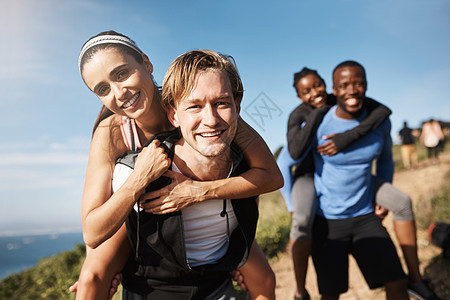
column 173, row 117
column 334, row 91
column 148, row 65
column 238, row 107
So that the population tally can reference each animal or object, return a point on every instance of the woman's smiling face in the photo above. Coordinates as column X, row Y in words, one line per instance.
column 122, row 84
column 311, row 90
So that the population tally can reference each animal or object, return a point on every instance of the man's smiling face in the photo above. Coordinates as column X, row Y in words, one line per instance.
column 207, row 116
column 349, row 87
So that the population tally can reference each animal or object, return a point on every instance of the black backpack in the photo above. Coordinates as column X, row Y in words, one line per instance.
column 440, row 237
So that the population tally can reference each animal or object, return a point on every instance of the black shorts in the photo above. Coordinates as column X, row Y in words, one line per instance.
column 366, row 239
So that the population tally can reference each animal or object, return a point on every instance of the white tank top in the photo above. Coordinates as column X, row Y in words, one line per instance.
column 206, row 232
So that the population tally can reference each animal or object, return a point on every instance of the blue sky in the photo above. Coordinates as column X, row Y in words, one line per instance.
column 48, row 112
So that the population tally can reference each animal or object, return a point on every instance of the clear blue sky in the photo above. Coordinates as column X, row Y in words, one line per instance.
column 48, row 112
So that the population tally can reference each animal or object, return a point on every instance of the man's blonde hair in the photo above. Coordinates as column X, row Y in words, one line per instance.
column 179, row 79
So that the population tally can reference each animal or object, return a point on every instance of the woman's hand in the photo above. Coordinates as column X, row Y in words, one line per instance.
column 181, row 193
column 328, row 148
column 239, row 278
column 114, row 285
column 151, row 162
column 380, row 211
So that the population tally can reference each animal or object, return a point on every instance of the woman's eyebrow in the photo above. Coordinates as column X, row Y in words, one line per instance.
column 113, row 71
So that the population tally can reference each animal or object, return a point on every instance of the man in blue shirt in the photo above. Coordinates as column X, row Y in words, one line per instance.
column 345, row 222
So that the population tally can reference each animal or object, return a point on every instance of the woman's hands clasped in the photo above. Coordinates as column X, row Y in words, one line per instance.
column 151, row 163
column 329, row 147
column 181, row 193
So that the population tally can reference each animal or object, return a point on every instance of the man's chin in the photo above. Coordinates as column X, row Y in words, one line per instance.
column 354, row 108
column 213, row 151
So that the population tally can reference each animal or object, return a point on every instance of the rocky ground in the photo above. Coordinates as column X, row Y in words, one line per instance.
column 419, row 184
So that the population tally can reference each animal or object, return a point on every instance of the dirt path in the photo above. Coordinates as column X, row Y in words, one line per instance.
column 418, row 184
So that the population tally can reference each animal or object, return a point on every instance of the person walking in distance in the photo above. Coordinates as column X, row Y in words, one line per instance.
column 408, row 147
column 431, row 137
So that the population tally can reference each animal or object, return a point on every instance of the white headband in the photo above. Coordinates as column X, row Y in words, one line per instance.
column 107, row 39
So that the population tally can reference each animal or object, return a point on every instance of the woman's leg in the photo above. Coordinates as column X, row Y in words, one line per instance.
column 396, row 290
column 404, row 225
column 406, row 235
column 101, row 265
column 258, row 275
column 304, row 206
column 300, row 254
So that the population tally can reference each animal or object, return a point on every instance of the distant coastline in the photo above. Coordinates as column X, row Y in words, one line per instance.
column 20, row 252
column 39, row 231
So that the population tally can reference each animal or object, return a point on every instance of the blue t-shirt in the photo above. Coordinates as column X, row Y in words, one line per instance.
column 344, row 182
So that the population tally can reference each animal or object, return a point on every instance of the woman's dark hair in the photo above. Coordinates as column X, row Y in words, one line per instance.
column 304, row 72
column 120, row 47
column 103, row 114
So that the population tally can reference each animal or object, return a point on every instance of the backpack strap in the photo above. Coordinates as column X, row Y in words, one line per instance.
column 168, row 140
column 129, row 133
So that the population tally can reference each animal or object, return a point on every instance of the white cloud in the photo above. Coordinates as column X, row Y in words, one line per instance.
column 43, row 164
column 43, row 159
column 36, row 183
column 45, row 144
column 42, row 171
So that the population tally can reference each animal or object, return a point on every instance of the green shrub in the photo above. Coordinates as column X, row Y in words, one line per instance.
column 435, row 208
column 49, row 279
column 441, row 205
column 274, row 224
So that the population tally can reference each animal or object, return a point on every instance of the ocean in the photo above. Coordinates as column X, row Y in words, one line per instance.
column 18, row 253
